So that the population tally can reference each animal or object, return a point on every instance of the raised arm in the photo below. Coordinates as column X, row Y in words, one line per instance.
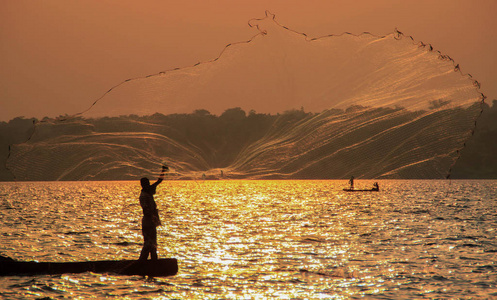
column 161, row 176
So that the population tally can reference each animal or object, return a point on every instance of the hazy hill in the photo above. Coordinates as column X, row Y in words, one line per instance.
column 479, row 157
column 359, row 141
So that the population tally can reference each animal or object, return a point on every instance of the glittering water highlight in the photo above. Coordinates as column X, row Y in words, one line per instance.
column 259, row 239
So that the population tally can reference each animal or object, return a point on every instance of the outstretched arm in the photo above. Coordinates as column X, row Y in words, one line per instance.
column 161, row 176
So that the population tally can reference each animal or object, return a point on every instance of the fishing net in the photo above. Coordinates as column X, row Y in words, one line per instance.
column 278, row 106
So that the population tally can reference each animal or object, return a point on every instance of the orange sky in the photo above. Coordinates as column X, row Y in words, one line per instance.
column 58, row 56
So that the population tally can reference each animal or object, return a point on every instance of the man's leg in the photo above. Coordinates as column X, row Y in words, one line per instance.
column 153, row 250
column 148, row 241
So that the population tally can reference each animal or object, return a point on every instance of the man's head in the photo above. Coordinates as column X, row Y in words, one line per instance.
column 145, row 182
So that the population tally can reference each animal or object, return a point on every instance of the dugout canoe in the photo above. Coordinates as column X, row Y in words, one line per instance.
column 155, row 268
column 366, row 190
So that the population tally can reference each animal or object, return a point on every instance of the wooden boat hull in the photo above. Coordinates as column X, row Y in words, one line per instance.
column 354, row 190
column 157, row 268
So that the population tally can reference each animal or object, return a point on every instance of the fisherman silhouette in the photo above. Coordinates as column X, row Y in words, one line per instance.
column 351, row 182
column 150, row 218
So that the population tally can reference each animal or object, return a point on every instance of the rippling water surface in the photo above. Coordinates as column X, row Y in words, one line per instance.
column 259, row 239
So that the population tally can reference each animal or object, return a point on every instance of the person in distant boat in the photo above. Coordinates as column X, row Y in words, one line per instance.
column 376, row 187
column 151, row 218
column 351, row 182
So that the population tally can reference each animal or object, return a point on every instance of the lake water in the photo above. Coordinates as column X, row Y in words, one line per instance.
column 259, row 239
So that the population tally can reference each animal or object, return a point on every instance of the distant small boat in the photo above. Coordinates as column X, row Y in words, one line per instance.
column 155, row 268
column 356, row 190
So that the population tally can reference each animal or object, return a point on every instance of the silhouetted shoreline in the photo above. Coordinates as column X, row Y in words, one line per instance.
column 220, row 139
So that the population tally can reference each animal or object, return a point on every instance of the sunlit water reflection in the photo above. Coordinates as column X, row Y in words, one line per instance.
column 260, row 239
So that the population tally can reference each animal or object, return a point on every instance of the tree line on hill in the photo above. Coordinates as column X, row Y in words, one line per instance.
column 223, row 136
